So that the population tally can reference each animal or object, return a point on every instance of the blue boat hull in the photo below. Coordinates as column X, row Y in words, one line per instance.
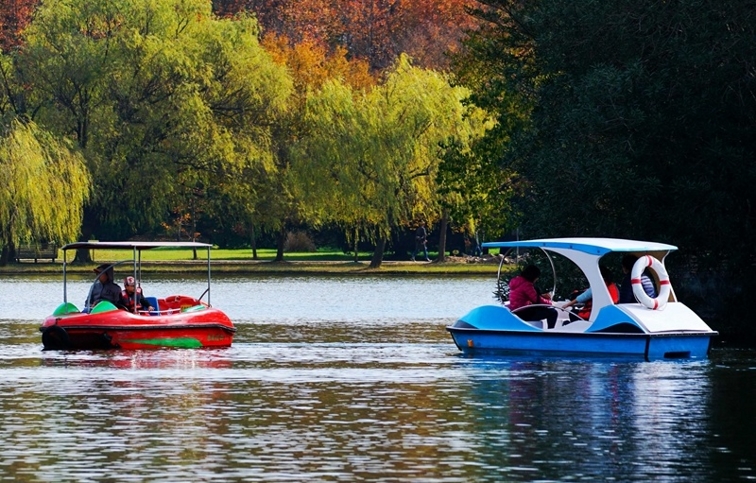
column 642, row 346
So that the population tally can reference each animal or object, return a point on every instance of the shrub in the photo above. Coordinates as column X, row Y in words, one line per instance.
column 299, row 241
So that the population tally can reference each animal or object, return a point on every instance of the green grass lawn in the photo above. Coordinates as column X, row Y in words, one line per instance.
column 326, row 261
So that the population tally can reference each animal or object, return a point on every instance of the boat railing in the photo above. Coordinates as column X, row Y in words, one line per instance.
column 562, row 319
column 159, row 312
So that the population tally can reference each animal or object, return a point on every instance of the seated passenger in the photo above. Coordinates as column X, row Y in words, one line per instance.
column 104, row 287
column 522, row 292
column 132, row 297
column 626, row 290
column 586, row 297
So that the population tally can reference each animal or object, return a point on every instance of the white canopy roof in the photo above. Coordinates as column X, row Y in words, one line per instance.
column 593, row 246
column 138, row 245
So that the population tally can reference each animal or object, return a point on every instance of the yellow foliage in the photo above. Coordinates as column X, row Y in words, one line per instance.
column 45, row 184
column 312, row 65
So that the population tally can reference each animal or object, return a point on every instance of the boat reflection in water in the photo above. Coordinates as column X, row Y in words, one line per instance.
column 568, row 419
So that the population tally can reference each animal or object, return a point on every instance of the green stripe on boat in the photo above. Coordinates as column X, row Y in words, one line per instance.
column 182, row 342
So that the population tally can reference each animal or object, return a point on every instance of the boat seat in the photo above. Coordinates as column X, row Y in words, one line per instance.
column 153, row 301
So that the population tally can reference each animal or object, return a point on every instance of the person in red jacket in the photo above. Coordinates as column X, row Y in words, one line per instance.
column 522, row 293
column 132, row 295
column 586, row 298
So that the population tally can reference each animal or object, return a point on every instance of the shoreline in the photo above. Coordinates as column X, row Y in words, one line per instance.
column 311, row 267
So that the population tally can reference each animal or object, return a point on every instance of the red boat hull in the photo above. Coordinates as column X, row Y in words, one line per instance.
column 183, row 322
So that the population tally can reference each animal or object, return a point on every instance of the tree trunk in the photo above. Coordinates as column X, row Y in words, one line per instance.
column 253, row 241
column 5, row 256
column 82, row 254
column 194, row 228
column 280, row 245
column 377, row 259
column 356, row 244
column 442, row 236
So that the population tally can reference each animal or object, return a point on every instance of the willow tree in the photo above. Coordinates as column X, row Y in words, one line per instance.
column 193, row 113
column 333, row 172
column 166, row 101
column 311, row 66
column 376, row 156
column 44, row 185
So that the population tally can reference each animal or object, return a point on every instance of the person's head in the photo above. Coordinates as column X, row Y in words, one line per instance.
column 104, row 272
column 627, row 262
column 531, row 273
column 605, row 274
column 129, row 284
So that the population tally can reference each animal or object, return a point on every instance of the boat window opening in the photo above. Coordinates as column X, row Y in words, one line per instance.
column 622, row 328
column 559, row 275
column 613, row 261
column 571, row 280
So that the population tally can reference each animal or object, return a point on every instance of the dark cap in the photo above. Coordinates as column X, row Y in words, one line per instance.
column 101, row 268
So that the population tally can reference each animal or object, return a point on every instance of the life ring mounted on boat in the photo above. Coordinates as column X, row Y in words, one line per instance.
column 647, row 261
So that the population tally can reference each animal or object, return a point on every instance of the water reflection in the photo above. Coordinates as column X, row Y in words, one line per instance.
column 566, row 420
column 384, row 399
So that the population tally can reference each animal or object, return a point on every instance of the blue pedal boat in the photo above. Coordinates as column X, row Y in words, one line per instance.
column 650, row 329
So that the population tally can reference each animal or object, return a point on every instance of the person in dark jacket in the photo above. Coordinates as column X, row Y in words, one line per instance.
column 132, row 297
column 626, row 295
column 104, row 287
column 421, row 242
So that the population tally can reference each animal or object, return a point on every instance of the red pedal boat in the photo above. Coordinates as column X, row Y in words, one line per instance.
column 176, row 321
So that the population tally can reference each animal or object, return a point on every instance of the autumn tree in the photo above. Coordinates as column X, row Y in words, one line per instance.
column 375, row 30
column 14, row 17
column 310, row 66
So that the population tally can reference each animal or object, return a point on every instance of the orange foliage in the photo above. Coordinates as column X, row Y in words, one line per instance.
column 376, row 30
column 312, row 65
column 14, row 16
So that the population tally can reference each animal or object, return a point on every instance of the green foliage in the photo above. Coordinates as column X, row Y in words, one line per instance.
column 636, row 120
column 165, row 100
column 371, row 160
column 44, row 186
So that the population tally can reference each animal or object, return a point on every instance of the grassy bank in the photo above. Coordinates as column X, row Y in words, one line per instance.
column 241, row 261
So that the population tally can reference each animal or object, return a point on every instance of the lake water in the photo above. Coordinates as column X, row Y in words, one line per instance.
column 336, row 379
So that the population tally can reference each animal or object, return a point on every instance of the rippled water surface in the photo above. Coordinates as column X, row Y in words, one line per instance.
column 355, row 379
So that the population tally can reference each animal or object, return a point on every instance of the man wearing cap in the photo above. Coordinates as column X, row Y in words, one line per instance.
column 104, row 288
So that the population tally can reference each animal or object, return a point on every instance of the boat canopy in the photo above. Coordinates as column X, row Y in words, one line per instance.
column 134, row 245
column 137, row 247
column 593, row 246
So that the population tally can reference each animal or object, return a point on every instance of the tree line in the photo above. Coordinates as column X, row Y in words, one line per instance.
column 168, row 113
